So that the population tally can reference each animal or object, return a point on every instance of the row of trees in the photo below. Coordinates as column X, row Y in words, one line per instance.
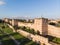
column 25, row 29
column 30, row 30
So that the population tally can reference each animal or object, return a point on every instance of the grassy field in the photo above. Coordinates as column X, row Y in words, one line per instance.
column 7, row 41
column 23, row 40
column 5, row 28
column 56, row 40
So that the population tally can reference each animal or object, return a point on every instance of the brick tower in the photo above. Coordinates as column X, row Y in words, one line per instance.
column 14, row 22
column 41, row 25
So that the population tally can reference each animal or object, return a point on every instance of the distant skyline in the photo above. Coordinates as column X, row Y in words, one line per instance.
column 30, row 8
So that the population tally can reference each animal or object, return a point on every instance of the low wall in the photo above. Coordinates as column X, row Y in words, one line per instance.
column 10, row 22
column 36, row 38
column 53, row 31
column 11, row 27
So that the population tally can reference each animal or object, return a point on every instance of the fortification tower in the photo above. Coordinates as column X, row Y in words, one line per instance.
column 41, row 25
column 6, row 20
column 14, row 22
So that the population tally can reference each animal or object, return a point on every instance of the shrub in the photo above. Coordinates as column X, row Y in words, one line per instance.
column 15, row 27
column 3, row 26
column 52, row 23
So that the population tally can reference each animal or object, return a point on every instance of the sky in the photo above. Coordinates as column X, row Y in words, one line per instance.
column 30, row 8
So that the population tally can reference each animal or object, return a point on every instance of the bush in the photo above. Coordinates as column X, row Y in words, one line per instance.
column 15, row 27
column 38, row 33
column 3, row 26
column 27, row 29
column 52, row 23
column 23, row 28
column 56, row 40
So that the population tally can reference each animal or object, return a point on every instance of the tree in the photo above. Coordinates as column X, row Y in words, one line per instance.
column 51, row 23
column 38, row 32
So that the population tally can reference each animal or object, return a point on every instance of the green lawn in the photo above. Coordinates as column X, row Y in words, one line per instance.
column 56, row 40
column 7, row 41
column 5, row 38
column 5, row 28
column 23, row 40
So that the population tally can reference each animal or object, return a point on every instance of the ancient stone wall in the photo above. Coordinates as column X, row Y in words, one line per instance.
column 14, row 22
column 49, row 29
column 36, row 38
column 6, row 19
column 53, row 31
column 40, row 25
